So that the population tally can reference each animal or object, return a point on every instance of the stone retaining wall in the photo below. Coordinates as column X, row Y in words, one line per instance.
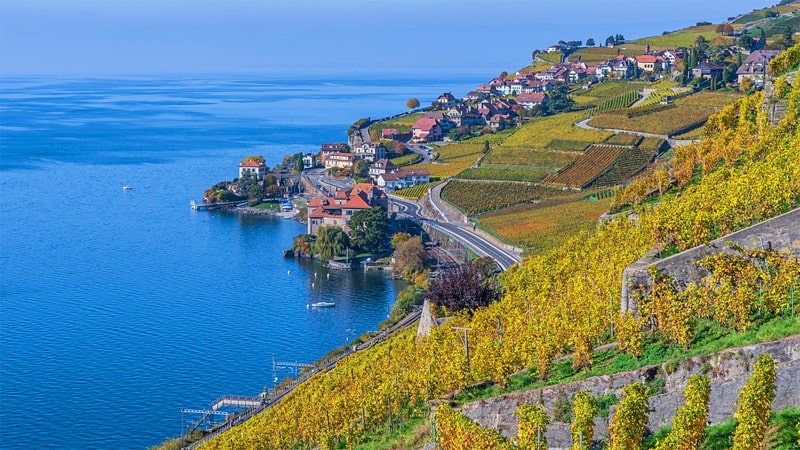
column 727, row 371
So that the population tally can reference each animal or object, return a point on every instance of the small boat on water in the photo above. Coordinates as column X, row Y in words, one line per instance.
column 127, row 187
column 321, row 305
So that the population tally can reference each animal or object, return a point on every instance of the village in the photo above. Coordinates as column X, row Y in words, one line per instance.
column 344, row 178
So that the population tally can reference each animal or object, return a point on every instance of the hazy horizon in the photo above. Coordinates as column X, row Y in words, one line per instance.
column 127, row 37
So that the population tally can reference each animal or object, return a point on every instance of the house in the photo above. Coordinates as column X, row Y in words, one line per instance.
column 327, row 149
column 441, row 118
column 621, row 67
column 339, row 160
column 445, row 100
column 400, row 179
column 250, row 167
column 556, row 48
column 650, row 63
column 464, row 116
column 370, row 151
column 529, row 100
column 337, row 210
column 475, row 96
column 756, row 66
column 380, row 167
column 427, row 130
column 309, row 161
column 707, row 70
column 389, row 133
column 497, row 123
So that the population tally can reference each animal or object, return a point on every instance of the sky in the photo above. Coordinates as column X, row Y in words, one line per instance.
column 139, row 37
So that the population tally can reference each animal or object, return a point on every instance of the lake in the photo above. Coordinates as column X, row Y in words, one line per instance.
column 118, row 308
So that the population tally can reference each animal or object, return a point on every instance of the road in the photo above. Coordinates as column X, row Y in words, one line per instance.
column 672, row 142
column 462, row 233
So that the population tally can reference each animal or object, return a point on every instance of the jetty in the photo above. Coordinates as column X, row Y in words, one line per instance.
column 212, row 206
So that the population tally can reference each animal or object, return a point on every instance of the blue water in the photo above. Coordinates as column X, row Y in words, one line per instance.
column 119, row 308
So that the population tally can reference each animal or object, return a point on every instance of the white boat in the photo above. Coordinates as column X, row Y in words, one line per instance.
column 322, row 305
column 127, row 187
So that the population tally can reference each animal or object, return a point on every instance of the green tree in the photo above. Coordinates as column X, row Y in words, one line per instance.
column 689, row 424
column 361, row 170
column 590, row 42
column 627, row 425
column 412, row 103
column 559, row 99
column 368, row 228
column 755, row 403
column 583, row 409
column 533, row 423
column 331, row 242
column 246, row 181
column 255, row 194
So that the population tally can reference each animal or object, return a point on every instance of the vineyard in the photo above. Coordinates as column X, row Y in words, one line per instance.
column 621, row 101
column 540, row 132
column 545, row 226
column 681, row 114
column 517, row 156
column 415, row 192
column 595, row 55
column 681, row 38
column 581, row 172
column 562, row 301
column 507, row 172
column 406, row 160
column 632, row 161
column 623, row 139
column 475, row 197
column 451, row 159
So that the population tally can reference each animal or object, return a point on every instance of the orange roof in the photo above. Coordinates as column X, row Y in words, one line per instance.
column 361, row 187
column 357, row 202
column 251, row 163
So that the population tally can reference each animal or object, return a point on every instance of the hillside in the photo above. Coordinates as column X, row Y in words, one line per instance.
column 565, row 302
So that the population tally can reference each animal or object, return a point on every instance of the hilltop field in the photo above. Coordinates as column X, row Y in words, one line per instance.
column 683, row 173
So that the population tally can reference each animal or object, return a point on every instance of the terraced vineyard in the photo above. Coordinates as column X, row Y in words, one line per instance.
column 632, row 161
column 541, row 132
column 581, row 172
column 621, row 101
column 415, row 192
column 507, row 172
column 475, row 197
column 658, row 119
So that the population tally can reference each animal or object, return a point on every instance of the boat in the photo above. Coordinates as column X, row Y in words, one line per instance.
column 322, row 305
column 127, row 187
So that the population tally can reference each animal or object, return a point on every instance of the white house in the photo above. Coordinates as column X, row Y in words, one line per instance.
column 371, row 151
column 253, row 168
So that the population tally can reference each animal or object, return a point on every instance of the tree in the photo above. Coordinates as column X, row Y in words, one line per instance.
column 398, row 148
column 303, row 244
column 689, row 424
column 559, row 99
column 246, row 181
column 583, row 411
column 533, row 423
column 412, row 103
column 755, row 403
column 610, row 40
column 398, row 238
column 619, row 39
column 460, row 287
column 361, row 170
column 590, row 42
column 485, row 146
column 503, row 75
column 255, row 194
column 368, row 228
column 331, row 242
column 257, row 158
column 410, row 257
column 627, row 425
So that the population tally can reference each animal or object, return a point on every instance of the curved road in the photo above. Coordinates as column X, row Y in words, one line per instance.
column 672, row 142
column 481, row 246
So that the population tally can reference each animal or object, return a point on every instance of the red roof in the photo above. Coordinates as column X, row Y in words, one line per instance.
column 251, row 163
column 424, row 124
column 533, row 97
